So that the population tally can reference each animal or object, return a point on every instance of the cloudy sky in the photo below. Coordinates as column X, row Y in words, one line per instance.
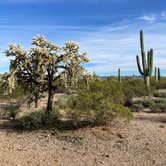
column 107, row 29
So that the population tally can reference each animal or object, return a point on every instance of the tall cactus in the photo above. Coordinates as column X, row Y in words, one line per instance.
column 147, row 63
column 159, row 74
column 156, row 74
column 119, row 75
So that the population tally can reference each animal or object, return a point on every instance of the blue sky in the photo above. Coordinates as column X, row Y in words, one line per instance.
column 107, row 29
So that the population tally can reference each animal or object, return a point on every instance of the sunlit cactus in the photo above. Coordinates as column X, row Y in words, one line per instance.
column 147, row 62
column 39, row 69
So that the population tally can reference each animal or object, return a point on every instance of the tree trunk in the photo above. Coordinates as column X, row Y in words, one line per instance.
column 50, row 100
column 36, row 103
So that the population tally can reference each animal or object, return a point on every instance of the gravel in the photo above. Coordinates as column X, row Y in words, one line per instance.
column 142, row 142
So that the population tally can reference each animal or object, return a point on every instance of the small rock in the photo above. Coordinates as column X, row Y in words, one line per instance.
column 161, row 126
column 107, row 156
column 120, row 135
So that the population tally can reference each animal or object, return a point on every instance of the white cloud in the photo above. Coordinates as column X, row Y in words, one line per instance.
column 149, row 18
column 108, row 47
column 110, row 50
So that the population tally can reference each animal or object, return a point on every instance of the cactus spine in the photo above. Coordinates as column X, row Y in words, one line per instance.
column 119, row 75
column 147, row 63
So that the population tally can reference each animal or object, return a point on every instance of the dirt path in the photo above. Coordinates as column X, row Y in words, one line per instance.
column 141, row 143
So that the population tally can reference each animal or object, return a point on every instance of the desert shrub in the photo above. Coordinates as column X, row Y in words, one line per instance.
column 161, row 84
column 160, row 94
column 133, row 88
column 9, row 111
column 17, row 94
column 158, row 106
column 154, row 105
column 100, row 102
column 143, row 103
column 136, row 87
column 62, row 102
column 39, row 119
column 137, row 107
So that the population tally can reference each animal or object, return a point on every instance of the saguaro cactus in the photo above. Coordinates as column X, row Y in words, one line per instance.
column 159, row 74
column 147, row 62
column 119, row 75
column 156, row 74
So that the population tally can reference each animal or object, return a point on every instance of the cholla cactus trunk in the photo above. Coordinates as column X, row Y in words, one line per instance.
column 50, row 100
column 119, row 75
column 147, row 63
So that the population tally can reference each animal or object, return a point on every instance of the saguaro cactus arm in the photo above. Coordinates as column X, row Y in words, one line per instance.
column 139, row 66
column 142, row 50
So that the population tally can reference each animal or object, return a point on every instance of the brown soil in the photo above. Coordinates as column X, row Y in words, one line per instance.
column 140, row 143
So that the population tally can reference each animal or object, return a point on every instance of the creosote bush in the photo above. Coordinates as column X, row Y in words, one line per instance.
column 9, row 111
column 154, row 105
column 161, row 84
column 39, row 119
column 99, row 103
column 160, row 94
column 133, row 88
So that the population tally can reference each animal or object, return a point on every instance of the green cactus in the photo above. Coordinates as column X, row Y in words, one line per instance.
column 147, row 63
column 156, row 74
column 119, row 75
column 159, row 74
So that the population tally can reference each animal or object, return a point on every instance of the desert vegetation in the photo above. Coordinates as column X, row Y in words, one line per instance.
column 29, row 102
column 47, row 69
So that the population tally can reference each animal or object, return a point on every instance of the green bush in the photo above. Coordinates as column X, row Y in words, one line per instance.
column 158, row 107
column 9, row 111
column 62, row 102
column 161, row 84
column 100, row 103
column 133, row 88
column 137, row 107
column 160, row 94
column 39, row 119
column 17, row 93
column 154, row 105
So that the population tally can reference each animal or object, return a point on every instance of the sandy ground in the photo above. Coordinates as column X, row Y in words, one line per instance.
column 140, row 143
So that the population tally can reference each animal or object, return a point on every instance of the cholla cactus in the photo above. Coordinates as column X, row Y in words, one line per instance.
column 39, row 68
column 147, row 65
